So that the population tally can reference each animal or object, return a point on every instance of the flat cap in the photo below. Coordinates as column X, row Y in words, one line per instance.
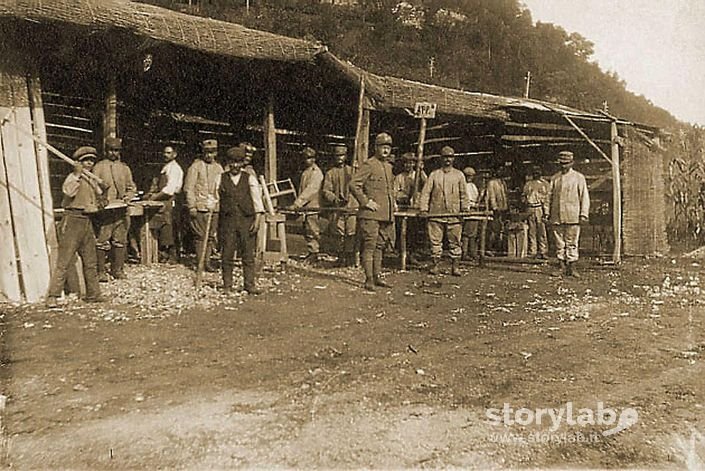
column 309, row 153
column 209, row 144
column 114, row 143
column 447, row 151
column 383, row 139
column 469, row 171
column 85, row 152
column 236, row 154
column 410, row 156
column 340, row 149
column 565, row 157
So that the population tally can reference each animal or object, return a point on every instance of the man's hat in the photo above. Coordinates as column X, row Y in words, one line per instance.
column 383, row 139
column 340, row 149
column 447, row 151
column 469, row 171
column 309, row 153
column 565, row 157
column 409, row 156
column 209, row 144
column 85, row 153
column 236, row 154
column 114, row 143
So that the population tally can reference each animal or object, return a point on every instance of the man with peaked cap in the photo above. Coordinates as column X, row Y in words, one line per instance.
column 569, row 206
column 496, row 200
column 404, row 182
column 201, row 188
column 114, row 224
column 535, row 196
column 164, row 188
column 80, row 204
column 470, row 227
column 445, row 192
column 310, row 196
column 241, row 210
column 373, row 187
column 336, row 192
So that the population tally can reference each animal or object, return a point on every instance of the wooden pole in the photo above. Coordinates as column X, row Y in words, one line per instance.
column 362, row 128
column 404, row 223
column 270, row 153
column 419, row 161
column 110, row 113
column 616, row 196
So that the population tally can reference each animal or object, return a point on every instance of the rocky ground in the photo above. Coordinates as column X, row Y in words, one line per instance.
column 318, row 373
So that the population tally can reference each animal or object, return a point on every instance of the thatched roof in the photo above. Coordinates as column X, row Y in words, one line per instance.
column 194, row 32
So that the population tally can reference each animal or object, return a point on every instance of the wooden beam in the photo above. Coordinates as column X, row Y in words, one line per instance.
column 419, row 161
column 616, row 196
column 362, row 128
column 110, row 113
column 524, row 138
column 270, row 143
column 587, row 138
column 9, row 277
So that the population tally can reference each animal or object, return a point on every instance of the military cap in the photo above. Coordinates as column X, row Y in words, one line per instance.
column 236, row 154
column 340, row 149
column 469, row 171
column 209, row 144
column 309, row 153
column 565, row 157
column 383, row 139
column 447, row 151
column 85, row 152
column 410, row 156
column 114, row 143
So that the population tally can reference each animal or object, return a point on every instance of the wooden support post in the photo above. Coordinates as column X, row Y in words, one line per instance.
column 419, row 161
column 616, row 196
column 362, row 129
column 404, row 223
column 483, row 242
column 110, row 113
column 270, row 153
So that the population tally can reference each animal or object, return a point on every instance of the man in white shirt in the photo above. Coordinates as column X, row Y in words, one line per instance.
column 165, row 188
column 470, row 228
column 241, row 212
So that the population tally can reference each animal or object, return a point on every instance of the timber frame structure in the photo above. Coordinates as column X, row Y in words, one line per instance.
column 73, row 72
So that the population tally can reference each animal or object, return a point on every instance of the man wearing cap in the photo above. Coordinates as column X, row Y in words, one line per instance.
column 497, row 201
column 241, row 210
column 373, row 187
column 310, row 196
column 114, row 224
column 201, row 188
column 404, row 182
column 164, row 188
column 445, row 192
column 470, row 227
column 336, row 192
column 80, row 203
column 535, row 196
column 569, row 206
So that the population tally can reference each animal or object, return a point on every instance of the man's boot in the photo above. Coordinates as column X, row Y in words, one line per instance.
column 101, row 258
column 368, row 266
column 173, row 256
column 561, row 271
column 435, row 269
column 377, row 270
column 118, row 266
column 464, row 245
column 570, row 270
column 454, row 267
column 227, row 278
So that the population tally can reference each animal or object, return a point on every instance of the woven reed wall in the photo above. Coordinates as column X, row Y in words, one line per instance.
column 644, row 200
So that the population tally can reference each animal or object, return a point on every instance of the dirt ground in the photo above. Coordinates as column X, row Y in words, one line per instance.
column 317, row 373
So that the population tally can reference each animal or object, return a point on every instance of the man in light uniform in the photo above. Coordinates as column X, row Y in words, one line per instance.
column 310, row 196
column 404, row 182
column 535, row 195
column 569, row 207
column 336, row 192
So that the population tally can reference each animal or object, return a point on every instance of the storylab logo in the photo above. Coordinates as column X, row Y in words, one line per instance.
column 614, row 420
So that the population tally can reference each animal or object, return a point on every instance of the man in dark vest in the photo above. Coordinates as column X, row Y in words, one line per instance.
column 241, row 210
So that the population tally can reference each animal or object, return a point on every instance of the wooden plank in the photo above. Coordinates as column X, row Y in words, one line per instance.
column 25, row 196
column 9, row 278
column 419, row 161
column 42, row 156
column 616, row 197
column 270, row 143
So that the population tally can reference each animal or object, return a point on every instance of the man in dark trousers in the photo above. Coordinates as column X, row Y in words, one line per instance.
column 373, row 187
column 77, row 237
column 241, row 210
column 164, row 188
column 336, row 192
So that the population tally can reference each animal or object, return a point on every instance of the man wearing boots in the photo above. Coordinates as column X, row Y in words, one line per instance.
column 470, row 228
column 373, row 188
column 569, row 207
column 201, row 188
column 113, row 223
column 77, row 236
column 445, row 192
column 241, row 210
column 535, row 195
column 336, row 192
column 310, row 196
column 166, row 186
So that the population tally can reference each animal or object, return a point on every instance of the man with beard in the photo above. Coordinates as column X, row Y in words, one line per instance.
column 445, row 192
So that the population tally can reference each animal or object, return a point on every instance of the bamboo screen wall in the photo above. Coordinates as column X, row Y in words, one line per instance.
column 644, row 201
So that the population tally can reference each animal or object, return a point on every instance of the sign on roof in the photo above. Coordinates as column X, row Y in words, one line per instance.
column 423, row 109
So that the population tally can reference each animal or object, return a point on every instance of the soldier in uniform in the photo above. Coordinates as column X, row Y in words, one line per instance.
column 201, row 188
column 336, row 192
column 114, row 224
column 310, row 196
column 164, row 189
column 535, row 196
column 373, row 187
column 77, row 234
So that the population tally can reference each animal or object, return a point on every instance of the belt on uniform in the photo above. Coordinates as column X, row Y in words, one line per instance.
column 535, row 205
column 76, row 212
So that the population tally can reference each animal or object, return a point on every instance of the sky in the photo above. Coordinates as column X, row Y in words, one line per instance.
column 656, row 46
